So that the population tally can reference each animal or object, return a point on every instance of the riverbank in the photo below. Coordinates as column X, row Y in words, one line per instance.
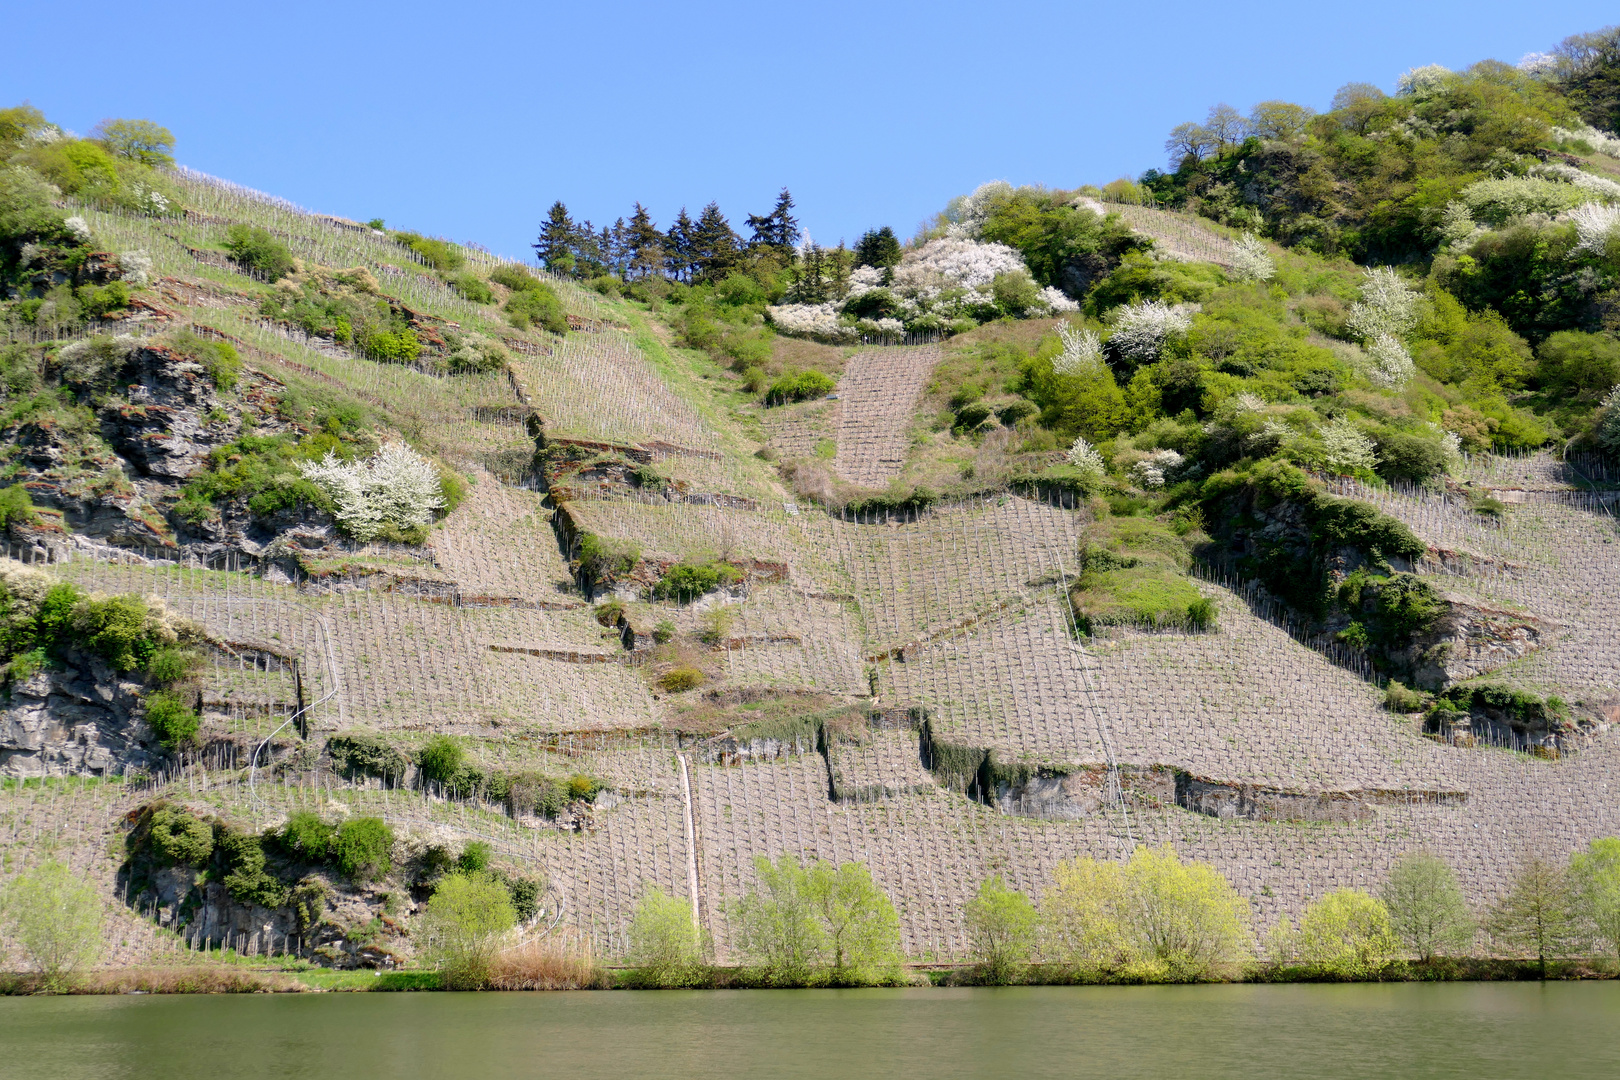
column 244, row 978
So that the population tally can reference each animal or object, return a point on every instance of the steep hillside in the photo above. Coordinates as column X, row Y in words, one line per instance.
column 1076, row 524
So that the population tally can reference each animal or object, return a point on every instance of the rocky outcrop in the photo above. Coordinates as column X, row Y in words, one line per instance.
column 79, row 720
column 1260, row 803
column 1472, row 639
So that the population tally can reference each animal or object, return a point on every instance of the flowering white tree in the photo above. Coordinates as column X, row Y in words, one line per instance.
column 1423, row 82
column 1140, row 330
column 1600, row 141
column 1081, row 349
column 1601, row 186
column 965, row 264
column 1388, row 305
column 1057, row 300
column 79, row 228
column 819, row 321
column 136, row 266
column 966, row 213
column 1345, row 448
column 1084, row 457
column 395, row 486
column 1608, row 427
column 1251, row 261
column 1391, row 366
column 1594, row 224
column 1150, row 472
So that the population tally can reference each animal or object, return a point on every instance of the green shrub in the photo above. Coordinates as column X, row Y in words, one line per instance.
column 602, row 559
column 97, row 301
column 363, row 848
column 514, row 277
column 1412, row 458
column 1201, row 614
column 361, row 753
column 607, row 285
column 398, row 346
column 1401, row 699
column 664, row 631
column 171, row 719
column 801, row 387
column 116, row 628
column 219, row 358
column 536, row 305
column 179, row 838
column 582, row 787
column 475, row 856
column 471, row 286
column 171, row 665
column 246, row 878
column 525, row 894
column 259, row 251
column 16, row 508
column 681, row 679
column 610, row 613
column 439, row 254
column 685, row 582
column 442, row 759
column 306, row 836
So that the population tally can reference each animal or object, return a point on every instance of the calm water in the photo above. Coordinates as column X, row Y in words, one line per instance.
column 1201, row 1033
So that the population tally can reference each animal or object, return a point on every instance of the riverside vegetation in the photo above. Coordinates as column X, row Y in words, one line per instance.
column 1206, row 575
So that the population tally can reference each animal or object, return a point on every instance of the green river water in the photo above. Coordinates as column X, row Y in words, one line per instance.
column 1476, row 1030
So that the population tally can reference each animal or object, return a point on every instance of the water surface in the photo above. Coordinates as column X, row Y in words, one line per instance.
column 1475, row 1030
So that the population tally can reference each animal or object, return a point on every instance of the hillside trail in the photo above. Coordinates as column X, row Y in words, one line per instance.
column 877, row 397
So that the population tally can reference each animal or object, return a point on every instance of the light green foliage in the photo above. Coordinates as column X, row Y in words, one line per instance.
column 685, row 582
column 15, row 507
column 1539, row 914
column 307, row 837
column 776, row 923
column 475, row 857
column 472, row 286
column 364, row 847
column 439, row 254
column 1596, row 875
column 219, row 358
column 138, row 140
column 861, row 925
column 1134, row 572
column 665, row 947
column 804, row 386
column 1153, row 918
column 54, row 916
column 1002, row 925
column 1585, row 366
column 1347, row 934
column 1499, row 201
column 532, row 302
column 463, row 925
column 1426, row 906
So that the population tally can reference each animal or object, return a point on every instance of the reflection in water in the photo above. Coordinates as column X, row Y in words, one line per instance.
column 1475, row 1030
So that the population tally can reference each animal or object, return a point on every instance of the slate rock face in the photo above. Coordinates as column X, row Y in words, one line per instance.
column 81, row 720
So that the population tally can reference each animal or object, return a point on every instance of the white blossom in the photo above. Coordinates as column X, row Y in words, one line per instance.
column 79, row 228
column 1510, row 198
column 1081, row 349
column 1272, row 434
column 1140, row 330
column 862, row 280
column 1601, row 141
column 966, row 264
column 1594, row 224
column 1150, row 472
column 966, row 213
column 1246, row 402
column 1084, row 457
column 1251, row 261
column 819, row 321
column 1538, row 63
column 1422, row 82
column 1457, row 225
column 1345, row 448
column 1608, row 426
column 395, row 486
column 1388, row 306
column 148, row 200
column 1602, row 187
column 1058, row 300
column 1391, row 366
column 881, row 327
column 136, row 266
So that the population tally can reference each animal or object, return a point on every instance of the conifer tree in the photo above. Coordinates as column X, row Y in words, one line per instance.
column 644, row 246
column 714, row 245
column 779, row 229
column 811, row 287
column 878, row 248
column 555, row 248
column 678, row 248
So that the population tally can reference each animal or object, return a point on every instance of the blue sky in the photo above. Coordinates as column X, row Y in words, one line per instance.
column 467, row 120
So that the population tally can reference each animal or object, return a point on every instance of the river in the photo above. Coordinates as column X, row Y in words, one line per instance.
column 1475, row 1030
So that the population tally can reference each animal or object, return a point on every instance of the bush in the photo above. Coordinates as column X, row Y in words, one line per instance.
column 16, row 508
column 171, row 719
column 1412, row 458
column 475, row 857
column 471, row 286
column 441, row 759
column 307, row 837
column 609, row 613
column 259, row 251
column 1201, row 614
column 465, row 918
column 1347, row 934
column 179, row 838
column 514, row 277
column 368, row 755
column 665, row 947
column 537, row 304
column 801, row 924
column 1001, row 924
column 363, row 848
column 439, row 254
column 171, row 665
column 1401, row 699
column 685, row 582
column 664, row 631
column 601, row 559
column 96, row 302
column 115, row 627
column 681, row 679
column 1154, row 918
column 800, row 387
column 54, row 916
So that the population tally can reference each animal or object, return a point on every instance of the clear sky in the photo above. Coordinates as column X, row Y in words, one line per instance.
column 467, row 119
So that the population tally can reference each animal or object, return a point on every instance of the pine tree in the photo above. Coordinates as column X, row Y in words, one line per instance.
column 555, row 248
column 714, row 245
column 811, row 287
column 678, row 248
column 779, row 229
column 878, row 248
column 615, row 245
column 644, row 246
column 840, row 263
